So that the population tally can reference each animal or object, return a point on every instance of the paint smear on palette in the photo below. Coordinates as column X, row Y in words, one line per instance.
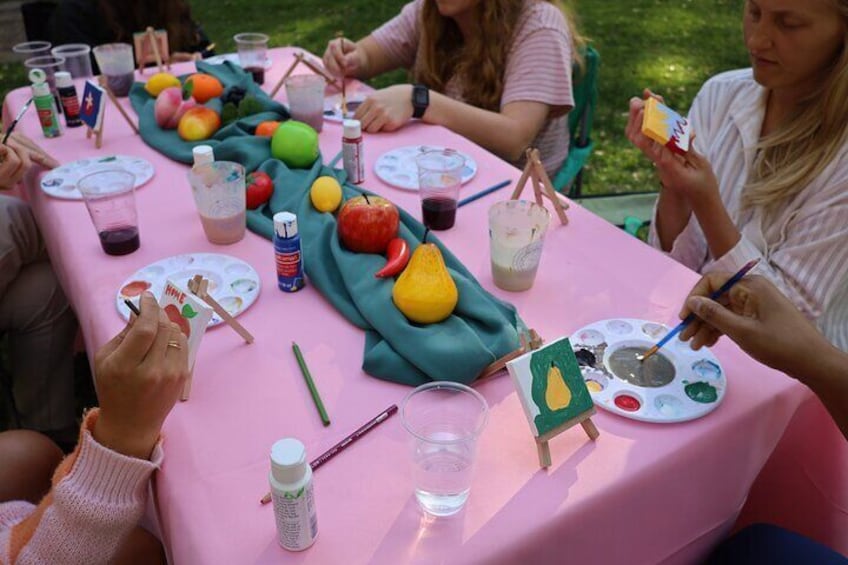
column 231, row 304
column 702, row 392
column 653, row 372
column 627, row 402
column 706, row 369
column 134, row 288
column 243, row 286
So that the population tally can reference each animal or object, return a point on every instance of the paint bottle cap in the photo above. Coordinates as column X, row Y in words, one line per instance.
column 352, row 129
column 63, row 79
column 288, row 461
column 285, row 224
column 202, row 154
column 39, row 85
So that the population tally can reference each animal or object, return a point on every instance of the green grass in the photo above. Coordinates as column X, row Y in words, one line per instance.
column 670, row 46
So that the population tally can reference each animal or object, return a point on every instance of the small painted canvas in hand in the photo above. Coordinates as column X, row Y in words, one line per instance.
column 191, row 314
column 665, row 126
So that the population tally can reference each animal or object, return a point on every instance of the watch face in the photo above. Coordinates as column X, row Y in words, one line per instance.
column 420, row 96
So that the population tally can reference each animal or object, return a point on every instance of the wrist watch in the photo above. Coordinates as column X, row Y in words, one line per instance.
column 420, row 100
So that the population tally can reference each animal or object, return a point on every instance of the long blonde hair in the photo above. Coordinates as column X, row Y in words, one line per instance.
column 789, row 159
column 481, row 60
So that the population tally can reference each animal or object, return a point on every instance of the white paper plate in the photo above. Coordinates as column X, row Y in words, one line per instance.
column 233, row 58
column 233, row 283
column 61, row 182
column 697, row 388
column 397, row 167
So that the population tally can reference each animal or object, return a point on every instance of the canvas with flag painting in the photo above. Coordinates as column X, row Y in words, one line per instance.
column 551, row 387
column 93, row 104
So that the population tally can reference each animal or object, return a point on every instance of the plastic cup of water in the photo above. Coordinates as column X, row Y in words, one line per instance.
column 305, row 95
column 110, row 198
column 516, row 234
column 218, row 190
column 444, row 420
column 77, row 58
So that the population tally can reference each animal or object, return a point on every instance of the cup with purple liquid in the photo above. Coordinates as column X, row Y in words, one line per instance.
column 439, row 179
column 116, row 64
column 252, row 51
column 110, row 198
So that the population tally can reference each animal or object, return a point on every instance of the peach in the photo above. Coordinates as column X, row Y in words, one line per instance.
column 199, row 123
column 170, row 107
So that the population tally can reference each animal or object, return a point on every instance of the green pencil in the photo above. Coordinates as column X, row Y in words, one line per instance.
column 312, row 390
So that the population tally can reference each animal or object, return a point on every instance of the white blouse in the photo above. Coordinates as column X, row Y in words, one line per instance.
column 804, row 248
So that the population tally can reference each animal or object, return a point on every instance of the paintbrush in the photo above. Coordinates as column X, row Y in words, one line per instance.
column 340, row 35
column 16, row 120
column 691, row 317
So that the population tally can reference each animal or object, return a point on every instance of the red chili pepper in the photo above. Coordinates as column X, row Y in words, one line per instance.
column 397, row 256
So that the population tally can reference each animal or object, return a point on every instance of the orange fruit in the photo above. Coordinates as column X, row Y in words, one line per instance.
column 206, row 87
column 266, row 128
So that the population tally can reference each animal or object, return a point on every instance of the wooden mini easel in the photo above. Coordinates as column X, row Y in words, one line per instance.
column 301, row 58
column 199, row 287
column 583, row 419
column 151, row 39
column 534, row 342
column 535, row 173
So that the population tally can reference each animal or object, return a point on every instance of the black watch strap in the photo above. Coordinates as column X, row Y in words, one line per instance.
column 420, row 100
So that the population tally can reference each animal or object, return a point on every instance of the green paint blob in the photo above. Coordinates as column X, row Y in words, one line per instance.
column 188, row 312
column 702, row 392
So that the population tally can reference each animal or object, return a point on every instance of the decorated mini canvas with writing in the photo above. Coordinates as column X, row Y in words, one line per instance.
column 188, row 312
column 93, row 104
column 551, row 387
column 665, row 126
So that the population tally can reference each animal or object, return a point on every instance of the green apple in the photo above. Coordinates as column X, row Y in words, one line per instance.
column 295, row 144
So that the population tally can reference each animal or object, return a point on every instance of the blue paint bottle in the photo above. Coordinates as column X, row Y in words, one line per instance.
column 287, row 252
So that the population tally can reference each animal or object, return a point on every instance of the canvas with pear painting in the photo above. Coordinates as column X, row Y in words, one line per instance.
column 551, row 387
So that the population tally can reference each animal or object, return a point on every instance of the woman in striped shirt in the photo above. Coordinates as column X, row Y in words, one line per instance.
column 767, row 176
column 495, row 71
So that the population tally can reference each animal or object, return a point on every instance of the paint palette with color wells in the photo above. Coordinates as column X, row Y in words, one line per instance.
column 398, row 169
column 233, row 283
column 675, row 384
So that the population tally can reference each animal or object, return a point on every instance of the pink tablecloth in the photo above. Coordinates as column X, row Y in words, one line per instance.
column 643, row 493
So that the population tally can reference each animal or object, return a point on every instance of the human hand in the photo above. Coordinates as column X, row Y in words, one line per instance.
column 139, row 375
column 689, row 176
column 387, row 109
column 343, row 57
column 759, row 318
column 17, row 157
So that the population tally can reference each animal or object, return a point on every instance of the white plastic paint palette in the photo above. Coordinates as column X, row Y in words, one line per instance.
column 397, row 167
column 232, row 282
column 333, row 106
column 233, row 58
column 676, row 384
column 61, row 182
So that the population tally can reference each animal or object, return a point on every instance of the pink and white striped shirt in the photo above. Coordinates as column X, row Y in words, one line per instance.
column 803, row 248
column 538, row 68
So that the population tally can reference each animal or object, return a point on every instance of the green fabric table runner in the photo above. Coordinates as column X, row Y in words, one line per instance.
column 482, row 328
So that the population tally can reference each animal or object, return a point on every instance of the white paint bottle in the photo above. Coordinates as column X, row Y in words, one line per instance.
column 291, row 491
column 353, row 159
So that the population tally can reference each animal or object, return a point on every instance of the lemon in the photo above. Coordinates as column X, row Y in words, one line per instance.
column 326, row 194
column 159, row 82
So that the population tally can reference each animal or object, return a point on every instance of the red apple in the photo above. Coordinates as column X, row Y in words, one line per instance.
column 199, row 123
column 368, row 223
column 174, row 315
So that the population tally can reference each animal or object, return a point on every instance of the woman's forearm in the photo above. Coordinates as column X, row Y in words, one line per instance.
column 721, row 233
column 673, row 214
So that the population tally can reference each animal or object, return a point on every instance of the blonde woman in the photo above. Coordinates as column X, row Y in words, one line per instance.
column 768, row 175
column 495, row 71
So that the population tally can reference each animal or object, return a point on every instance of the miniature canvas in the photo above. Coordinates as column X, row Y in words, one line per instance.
column 665, row 126
column 144, row 54
column 550, row 386
column 188, row 312
column 93, row 104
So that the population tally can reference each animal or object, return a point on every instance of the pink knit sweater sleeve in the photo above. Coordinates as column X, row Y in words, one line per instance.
column 97, row 498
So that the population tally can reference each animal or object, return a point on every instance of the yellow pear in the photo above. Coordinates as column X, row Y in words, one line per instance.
column 557, row 393
column 425, row 291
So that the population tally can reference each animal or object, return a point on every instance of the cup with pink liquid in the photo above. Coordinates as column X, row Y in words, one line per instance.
column 219, row 194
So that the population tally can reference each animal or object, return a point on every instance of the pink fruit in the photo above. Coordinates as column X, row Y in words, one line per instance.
column 170, row 107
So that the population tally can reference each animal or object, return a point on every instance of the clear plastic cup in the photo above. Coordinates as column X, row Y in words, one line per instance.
column 252, row 52
column 444, row 420
column 110, row 198
column 516, row 234
column 219, row 194
column 117, row 65
column 77, row 58
column 305, row 94
column 50, row 65
column 30, row 49
column 439, row 179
